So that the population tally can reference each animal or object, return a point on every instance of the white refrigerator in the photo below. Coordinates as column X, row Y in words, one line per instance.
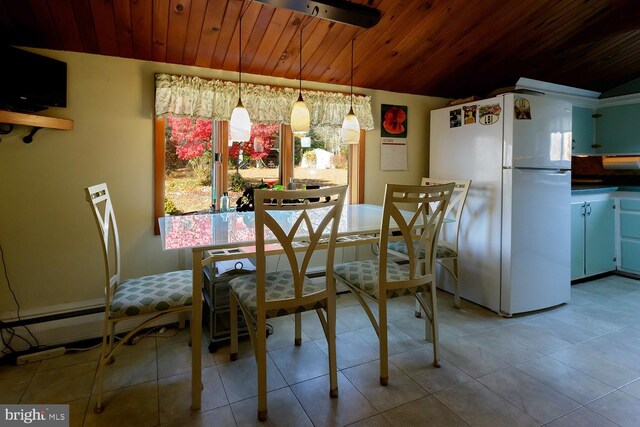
column 514, row 241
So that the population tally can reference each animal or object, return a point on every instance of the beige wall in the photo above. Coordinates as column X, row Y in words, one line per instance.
column 47, row 231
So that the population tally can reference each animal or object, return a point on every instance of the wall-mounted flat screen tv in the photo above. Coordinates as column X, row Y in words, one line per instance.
column 31, row 82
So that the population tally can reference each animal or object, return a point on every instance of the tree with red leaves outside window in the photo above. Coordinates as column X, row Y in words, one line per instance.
column 192, row 141
column 263, row 139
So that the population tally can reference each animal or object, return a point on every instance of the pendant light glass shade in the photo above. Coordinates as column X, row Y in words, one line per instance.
column 350, row 132
column 300, row 118
column 240, row 123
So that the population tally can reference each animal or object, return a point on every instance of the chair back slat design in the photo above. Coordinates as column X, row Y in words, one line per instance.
column 98, row 196
column 417, row 213
column 449, row 235
column 316, row 215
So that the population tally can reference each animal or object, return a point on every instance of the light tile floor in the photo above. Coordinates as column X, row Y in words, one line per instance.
column 575, row 365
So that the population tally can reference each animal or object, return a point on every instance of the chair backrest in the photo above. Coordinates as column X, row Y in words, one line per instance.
column 414, row 215
column 299, row 220
column 98, row 198
column 450, row 231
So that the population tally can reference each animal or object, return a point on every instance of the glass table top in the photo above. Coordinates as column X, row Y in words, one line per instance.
column 229, row 229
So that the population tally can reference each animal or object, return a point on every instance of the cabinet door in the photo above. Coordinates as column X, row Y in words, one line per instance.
column 630, row 235
column 577, row 240
column 582, row 131
column 618, row 129
column 600, row 249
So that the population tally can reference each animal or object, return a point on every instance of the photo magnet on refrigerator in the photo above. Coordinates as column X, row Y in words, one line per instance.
column 455, row 118
column 489, row 114
column 469, row 114
column 522, row 109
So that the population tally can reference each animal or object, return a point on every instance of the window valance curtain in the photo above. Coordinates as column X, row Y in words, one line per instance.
column 215, row 99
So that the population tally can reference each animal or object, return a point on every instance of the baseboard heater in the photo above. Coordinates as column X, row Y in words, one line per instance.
column 52, row 317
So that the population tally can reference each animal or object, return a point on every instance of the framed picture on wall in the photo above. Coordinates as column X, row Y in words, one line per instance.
column 394, row 121
column 393, row 138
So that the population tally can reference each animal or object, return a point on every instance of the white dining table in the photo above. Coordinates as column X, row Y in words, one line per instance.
column 231, row 235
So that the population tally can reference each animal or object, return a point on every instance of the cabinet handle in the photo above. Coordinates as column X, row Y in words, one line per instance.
column 589, row 209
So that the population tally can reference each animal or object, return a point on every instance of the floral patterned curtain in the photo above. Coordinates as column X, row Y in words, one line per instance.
column 215, row 99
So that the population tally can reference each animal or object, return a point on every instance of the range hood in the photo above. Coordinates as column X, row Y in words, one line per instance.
column 621, row 162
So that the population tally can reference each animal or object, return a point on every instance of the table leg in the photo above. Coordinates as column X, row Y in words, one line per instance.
column 196, row 331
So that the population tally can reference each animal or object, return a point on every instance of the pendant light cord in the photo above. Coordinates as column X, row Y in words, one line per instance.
column 353, row 40
column 240, row 60
column 240, row 53
column 314, row 13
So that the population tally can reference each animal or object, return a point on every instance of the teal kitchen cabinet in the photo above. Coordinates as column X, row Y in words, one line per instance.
column 630, row 235
column 593, row 225
column 618, row 129
column 582, row 131
column 577, row 239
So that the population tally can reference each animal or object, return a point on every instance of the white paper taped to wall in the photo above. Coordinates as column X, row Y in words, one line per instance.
column 621, row 163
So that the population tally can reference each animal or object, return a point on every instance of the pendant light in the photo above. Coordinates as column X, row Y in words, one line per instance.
column 240, row 123
column 350, row 132
column 300, row 118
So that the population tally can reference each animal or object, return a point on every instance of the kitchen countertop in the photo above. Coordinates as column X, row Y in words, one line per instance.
column 601, row 188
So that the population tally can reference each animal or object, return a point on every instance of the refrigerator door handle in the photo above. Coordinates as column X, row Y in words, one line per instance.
column 543, row 171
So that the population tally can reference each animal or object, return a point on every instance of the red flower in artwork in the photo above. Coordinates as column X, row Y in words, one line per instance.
column 393, row 119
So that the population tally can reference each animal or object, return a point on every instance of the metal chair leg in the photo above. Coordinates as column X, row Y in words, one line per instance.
column 298, row 326
column 261, row 362
column 233, row 320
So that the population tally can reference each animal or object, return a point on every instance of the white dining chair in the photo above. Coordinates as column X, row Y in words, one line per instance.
column 284, row 216
column 447, row 251
column 147, row 298
column 413, row 215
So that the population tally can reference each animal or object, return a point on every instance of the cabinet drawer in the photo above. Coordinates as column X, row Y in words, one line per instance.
column 221, row 297
column 630, row 225
column 630, row 204
column 218, row 323
column 631, row 255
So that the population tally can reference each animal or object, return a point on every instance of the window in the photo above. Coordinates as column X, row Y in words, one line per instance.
column 185, row 176
column 194, row 164
column 253, row 162
column 320, row 158
column 187, row 164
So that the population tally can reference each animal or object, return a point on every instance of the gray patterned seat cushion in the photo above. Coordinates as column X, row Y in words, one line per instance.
column 278, row 285
column 442, row 252
column 151, row 294
column 363, row 275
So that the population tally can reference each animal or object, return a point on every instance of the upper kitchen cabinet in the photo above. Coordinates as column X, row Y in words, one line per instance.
column 618, row 129
column 582, row 131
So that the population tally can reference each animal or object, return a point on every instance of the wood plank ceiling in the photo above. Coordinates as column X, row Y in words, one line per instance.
column 450, row 48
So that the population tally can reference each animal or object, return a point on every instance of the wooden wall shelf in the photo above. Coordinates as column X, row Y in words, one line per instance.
column 35, row 120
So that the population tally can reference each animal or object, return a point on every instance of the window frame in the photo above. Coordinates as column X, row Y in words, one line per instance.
column 220, row 134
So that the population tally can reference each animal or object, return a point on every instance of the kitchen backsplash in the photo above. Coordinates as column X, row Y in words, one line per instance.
column 590, row 168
